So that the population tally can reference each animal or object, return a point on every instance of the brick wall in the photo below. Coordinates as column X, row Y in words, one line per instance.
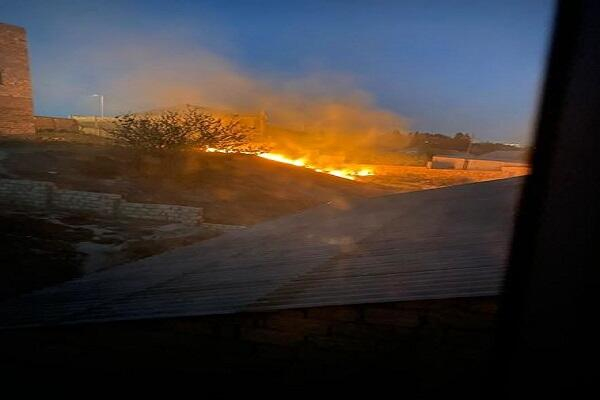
column 45, row 194
column 16, row 104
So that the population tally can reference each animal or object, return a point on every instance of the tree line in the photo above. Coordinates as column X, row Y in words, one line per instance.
column 427, row 142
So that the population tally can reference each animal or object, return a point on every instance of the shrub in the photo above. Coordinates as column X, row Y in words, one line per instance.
column 180, row 130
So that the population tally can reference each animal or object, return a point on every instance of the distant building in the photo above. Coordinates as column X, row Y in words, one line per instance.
column 494, row 161
column 16, row 97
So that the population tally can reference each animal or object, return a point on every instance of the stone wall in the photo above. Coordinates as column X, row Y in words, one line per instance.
column 76, row 200
column 16, row 98
column 26, row 193
column 55, row 124
column 161, row 212
column 46, row 195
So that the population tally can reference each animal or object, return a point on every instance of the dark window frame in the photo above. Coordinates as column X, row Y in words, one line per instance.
column 545, row 321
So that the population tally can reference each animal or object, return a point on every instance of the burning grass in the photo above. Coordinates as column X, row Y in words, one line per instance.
column 397, row 176
column 340, row 172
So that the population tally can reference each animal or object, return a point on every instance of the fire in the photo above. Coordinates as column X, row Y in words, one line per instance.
column 346, row 173
column 283, row 159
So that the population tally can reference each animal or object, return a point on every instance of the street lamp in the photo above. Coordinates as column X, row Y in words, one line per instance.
column 101, row 104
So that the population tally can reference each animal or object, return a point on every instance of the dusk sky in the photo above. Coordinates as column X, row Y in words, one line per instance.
column 443, row 66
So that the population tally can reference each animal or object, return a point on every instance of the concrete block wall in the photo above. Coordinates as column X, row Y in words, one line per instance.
column 161, row 212
column 26, row 193
column 447, row 163
column 442, row 341
column 55, row 124
column 40, row 194
column 94, row 125
column 100, row 203
column 406, row 344
column 330, row 336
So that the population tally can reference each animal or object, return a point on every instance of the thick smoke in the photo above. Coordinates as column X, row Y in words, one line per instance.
column 150, row 76
column 309, row 115
column 324, row 114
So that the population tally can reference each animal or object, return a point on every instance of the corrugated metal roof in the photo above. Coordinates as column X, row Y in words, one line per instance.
column 449, row 242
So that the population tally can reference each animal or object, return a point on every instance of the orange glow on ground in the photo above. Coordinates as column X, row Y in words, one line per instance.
column 345, row 173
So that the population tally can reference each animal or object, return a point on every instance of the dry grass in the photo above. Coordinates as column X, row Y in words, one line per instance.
column 407, row 178
column 232, row 188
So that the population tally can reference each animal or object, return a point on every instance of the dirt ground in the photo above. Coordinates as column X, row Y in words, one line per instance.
column 41, row 248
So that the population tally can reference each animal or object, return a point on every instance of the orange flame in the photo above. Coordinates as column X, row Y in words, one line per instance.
column 346, row 173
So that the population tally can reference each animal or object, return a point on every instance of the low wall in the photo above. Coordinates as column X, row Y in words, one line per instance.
column 93, row 125
column 99, row 203
column 440, row 162
column 40, row 194
column 415, row 345
column 161, row 212
column 26, row 193
column 448, row 163
column 55, row 124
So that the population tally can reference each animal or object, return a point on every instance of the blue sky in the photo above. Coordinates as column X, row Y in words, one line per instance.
column 444, row 66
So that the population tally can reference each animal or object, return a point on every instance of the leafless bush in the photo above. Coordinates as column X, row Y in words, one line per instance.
column 181, row 130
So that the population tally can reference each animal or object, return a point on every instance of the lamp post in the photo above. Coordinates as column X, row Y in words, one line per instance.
column 101, row 97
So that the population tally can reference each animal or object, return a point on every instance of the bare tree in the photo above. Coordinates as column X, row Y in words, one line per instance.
column 181, row 130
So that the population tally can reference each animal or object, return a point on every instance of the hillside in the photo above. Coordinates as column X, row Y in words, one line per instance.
column 232, row 188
